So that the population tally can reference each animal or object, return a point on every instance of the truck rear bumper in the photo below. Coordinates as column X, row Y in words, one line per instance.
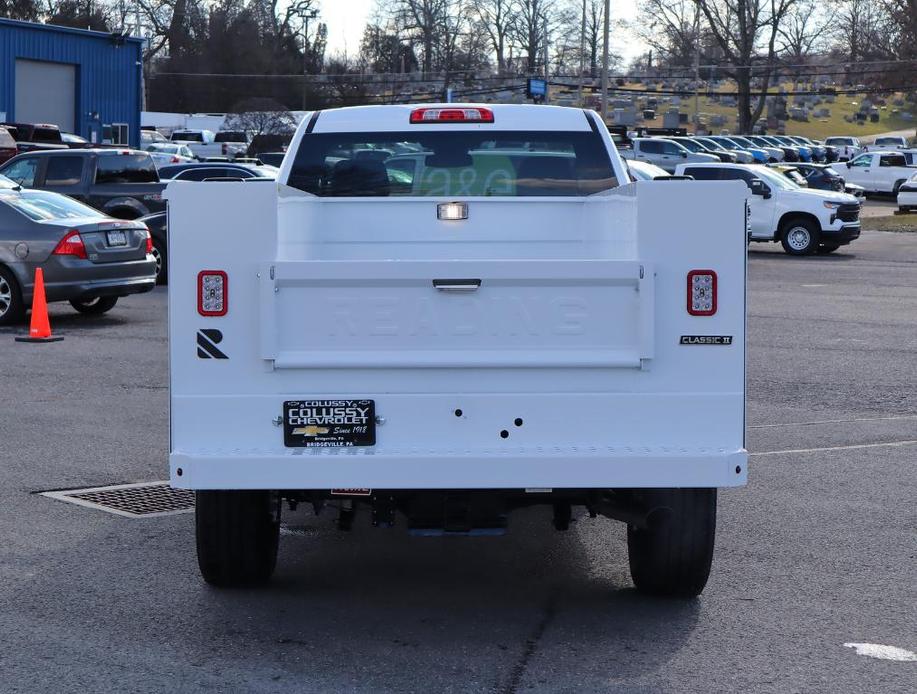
column 380, row 468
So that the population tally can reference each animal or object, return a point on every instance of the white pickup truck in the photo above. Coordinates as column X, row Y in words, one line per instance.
column 879, row 172
column 439, row 314
column 206, row 144
column 803, row 220
column 666, row 154
column 847, row 147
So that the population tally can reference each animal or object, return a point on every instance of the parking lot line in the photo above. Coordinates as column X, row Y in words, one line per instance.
column 832, row 421
column 889, row 444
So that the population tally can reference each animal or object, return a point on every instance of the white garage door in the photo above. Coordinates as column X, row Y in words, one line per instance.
column 46, row 93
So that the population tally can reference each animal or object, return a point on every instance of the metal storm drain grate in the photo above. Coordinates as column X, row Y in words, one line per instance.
column 143, row 500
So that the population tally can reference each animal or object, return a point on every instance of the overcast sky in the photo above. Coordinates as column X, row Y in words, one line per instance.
column 346, row 19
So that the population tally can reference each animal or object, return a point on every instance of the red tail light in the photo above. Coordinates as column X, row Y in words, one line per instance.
column 452, row 115
column 175, row 159
column 212, row 293
column 71, row 244
column 702, row 292
column 149, row 241
column 224, row 148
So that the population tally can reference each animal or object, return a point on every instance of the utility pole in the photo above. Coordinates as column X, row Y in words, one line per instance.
column 605, row 62
column 139, row 35
column 544, row 25
column 305, row 14
column 696, row 68
column 582, row 54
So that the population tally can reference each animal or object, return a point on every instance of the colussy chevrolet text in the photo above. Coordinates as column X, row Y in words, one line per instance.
column 439, row 314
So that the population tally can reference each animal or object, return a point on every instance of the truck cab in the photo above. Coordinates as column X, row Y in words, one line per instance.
column 442, row 313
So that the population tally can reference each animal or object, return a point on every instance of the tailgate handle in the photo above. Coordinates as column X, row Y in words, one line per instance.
column 457, row 285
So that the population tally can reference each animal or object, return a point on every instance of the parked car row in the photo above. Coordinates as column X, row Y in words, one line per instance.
column 667, row 151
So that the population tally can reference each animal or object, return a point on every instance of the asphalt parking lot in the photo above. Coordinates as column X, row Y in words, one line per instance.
column 820, row 550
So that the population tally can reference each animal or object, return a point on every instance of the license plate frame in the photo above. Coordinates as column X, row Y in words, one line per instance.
column 116, row 238
column 329, row 423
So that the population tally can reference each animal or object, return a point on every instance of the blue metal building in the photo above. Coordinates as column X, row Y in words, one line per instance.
column 87, row 82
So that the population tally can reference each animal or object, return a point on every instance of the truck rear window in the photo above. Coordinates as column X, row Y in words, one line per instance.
column 41, row 134
column 126, row 168
column 452, row 163
column 187, row 136
column 230, row 136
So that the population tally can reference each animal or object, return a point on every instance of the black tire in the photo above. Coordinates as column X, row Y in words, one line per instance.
column 162, row 262
column 12, row 308
column 672, row 556
column 237, row 536
column 826, row 248
column 903, row 209
column 799, row 236
column 94, row 307
column 898, row 184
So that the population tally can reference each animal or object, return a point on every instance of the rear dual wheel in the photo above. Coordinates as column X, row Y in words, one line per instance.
column 673, row 554
column 237, row 536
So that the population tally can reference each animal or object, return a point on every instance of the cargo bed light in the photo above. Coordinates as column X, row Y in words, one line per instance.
column 702, row 292
column 452, row 211
column 212, row 293
column 452, row 115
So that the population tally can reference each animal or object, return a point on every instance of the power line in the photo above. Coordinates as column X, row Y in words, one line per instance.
column 710, row 94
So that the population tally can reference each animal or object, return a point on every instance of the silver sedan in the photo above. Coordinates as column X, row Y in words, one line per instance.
column 87, row 258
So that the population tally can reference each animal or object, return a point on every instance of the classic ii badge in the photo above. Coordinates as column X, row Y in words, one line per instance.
column 705, row 340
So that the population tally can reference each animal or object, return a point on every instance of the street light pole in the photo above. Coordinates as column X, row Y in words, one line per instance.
column 605, row 62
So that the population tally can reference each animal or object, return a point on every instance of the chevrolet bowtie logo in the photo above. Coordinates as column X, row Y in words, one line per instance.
column 311, row 431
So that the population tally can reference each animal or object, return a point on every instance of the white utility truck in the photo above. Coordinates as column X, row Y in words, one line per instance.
column 879, row 172
column 439, row 314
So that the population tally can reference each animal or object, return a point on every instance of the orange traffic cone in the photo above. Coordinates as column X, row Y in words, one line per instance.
column 40, row 328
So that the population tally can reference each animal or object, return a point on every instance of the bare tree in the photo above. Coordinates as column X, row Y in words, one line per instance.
column 260, row 116
column 746, row 32
column 671, row 29
column 495, row 18
column 533, row 25
column 804, row 31
column 19, row 9
column 902, row 16
column 420, row 20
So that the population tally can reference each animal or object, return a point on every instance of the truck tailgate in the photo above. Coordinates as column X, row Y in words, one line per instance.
column 457, row 314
